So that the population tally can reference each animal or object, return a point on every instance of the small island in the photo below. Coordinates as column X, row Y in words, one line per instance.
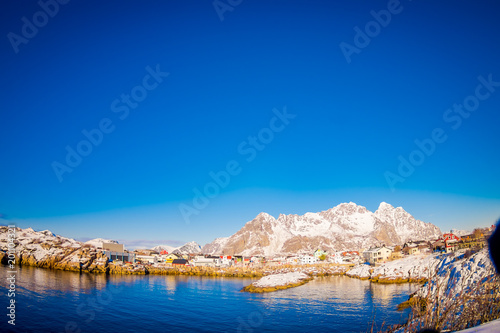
column 278, row 282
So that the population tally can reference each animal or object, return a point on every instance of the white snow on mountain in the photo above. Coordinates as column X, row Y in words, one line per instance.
column 216, row 246
column 191, row 247
column 160, row 248
column 459, row 232
column 345, row 227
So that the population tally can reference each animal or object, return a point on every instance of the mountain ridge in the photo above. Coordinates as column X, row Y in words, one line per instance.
column 347, row 226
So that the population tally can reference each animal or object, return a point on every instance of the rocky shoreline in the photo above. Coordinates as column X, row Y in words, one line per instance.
column 46, row 250
column 95, row 262
column 89, row 260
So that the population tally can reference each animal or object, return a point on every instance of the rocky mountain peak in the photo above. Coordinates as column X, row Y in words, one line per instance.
column 347, row 226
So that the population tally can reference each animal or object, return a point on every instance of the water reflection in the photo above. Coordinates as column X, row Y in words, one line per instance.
column 186, row 303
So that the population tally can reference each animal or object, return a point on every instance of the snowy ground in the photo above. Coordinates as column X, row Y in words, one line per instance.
column 456, row 273
column 492, row 326
column 360, row 271
column 411, row 267
column 280, row 279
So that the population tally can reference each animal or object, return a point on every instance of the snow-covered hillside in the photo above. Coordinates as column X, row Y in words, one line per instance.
column 38, row 246
column 32, row 241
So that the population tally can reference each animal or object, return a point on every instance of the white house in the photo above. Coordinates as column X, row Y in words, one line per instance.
column 205, row 261
column 147, row 259
column 411, row 248
column 292, row 260
column 337, row 258
column 378, row 254
column 307, row 259
column 225, row 261
column 318, row 253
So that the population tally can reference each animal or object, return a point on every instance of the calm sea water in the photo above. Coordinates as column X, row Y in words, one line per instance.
column 57, row 301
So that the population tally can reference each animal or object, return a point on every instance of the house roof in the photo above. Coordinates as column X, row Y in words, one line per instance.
column 378, row 249
column 179, row 261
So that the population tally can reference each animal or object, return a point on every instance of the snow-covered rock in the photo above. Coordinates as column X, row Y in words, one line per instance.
column 361, row 271
column 456, row 272
column 29, row 237
column 280, row 279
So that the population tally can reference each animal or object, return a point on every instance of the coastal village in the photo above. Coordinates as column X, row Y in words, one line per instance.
column 447, row 243
column 450, row 264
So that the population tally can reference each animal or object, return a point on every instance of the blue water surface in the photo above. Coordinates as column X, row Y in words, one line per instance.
column 58, row 301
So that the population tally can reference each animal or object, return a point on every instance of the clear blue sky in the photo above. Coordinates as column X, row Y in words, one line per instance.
column 350, row 118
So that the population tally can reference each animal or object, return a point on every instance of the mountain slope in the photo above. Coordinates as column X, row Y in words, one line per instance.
column 191, row 247
column 160, row 248
column 344, row 227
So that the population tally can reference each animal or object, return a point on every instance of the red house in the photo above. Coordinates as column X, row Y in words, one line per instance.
column 451, row 237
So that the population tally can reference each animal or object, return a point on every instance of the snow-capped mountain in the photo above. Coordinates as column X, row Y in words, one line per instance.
column 216, row 246
column 344, row 227
column 459, row 232
column 160, row 248
column 191, row 247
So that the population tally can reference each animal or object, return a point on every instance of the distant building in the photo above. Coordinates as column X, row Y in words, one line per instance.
column 318, row 253
column 169, row 258
column 113, row 247
column 292, row 260
column 120, row 256
column 180, row 262
column 450, row 237
column 226, row 261
column 395, row 255
column 377, row 254
column 411, row 248
column 148, row 259
column 307, row 259
column 450, row 242
column 116, row 252
column 202, row 261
